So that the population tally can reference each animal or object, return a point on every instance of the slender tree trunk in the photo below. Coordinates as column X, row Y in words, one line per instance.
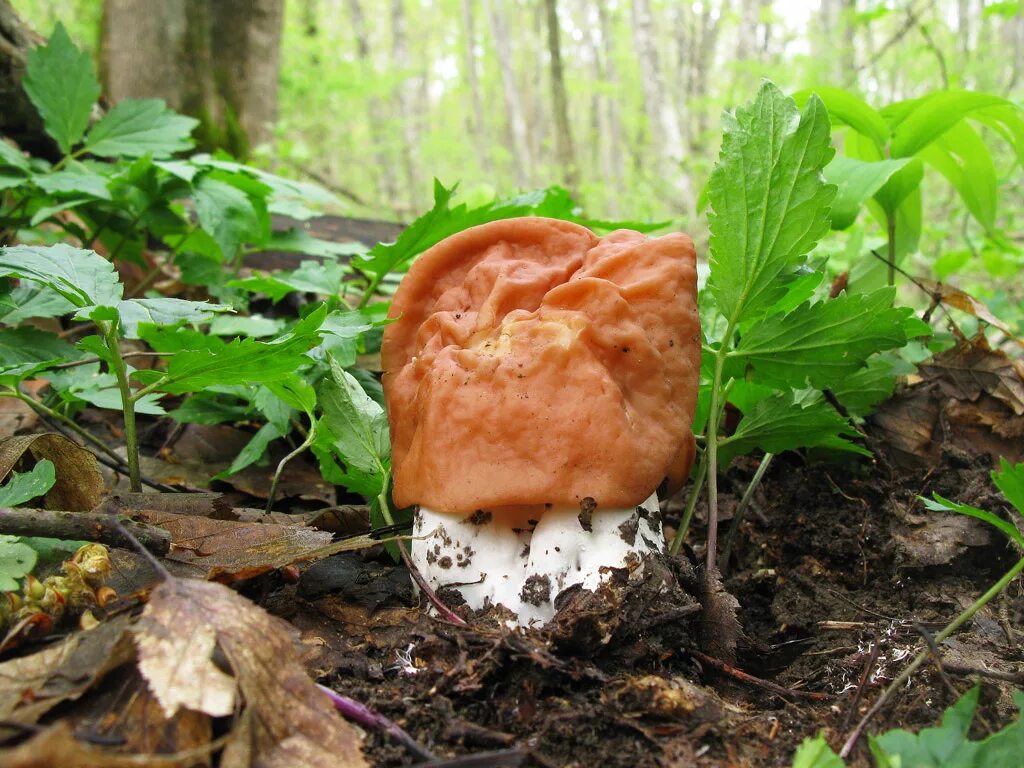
column 406, row 114
column 217, row 60
column 378, row 118
column 513, row 103
column 617, row 144
column 560, row 102
column 469, row 66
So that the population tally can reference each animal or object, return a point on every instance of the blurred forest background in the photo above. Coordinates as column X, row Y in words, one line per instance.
column 618, row 100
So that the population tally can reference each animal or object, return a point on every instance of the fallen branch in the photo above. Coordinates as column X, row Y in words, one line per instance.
column 87, row 526
column 768, row 685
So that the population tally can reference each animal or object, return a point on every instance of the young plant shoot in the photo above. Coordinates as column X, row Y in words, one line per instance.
column 541, row 384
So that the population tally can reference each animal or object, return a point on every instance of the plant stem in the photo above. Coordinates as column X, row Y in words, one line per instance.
column 737, row 517
column 691, row 505
column 310, row 437
column 922, row 657
column 67, row 422
column 711, row 449
column 120, row 371
column 890, row 230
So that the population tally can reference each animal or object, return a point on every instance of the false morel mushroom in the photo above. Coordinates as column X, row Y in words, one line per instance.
column 541, row 384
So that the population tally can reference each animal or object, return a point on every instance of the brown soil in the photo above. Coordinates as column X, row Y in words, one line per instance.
column 838, row 571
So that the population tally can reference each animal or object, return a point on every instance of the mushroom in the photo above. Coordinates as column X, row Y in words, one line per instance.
column 541, row 384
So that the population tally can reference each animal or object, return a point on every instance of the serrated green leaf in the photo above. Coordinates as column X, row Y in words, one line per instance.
column 273, row 408
column 861, row 391
column 12, row 157
column 357, row 423
column 61, row 82
column 295, row 391
column 252, row 451
column 816, row 753
column 136, row 127
column 82, row 277
column 164, row 311
column 25, row 486
column 86, row 384
column 26, row 351
column 784, row 422
column 941, row 504
column 227, row 214
column 30, row 300
column 17, row 559
column 77, row 183
column 825, row 342
column 945, row 746
column 1010, row 480
column 245, row 361
column 211, row 408
column 856, row 181
column 769, row 198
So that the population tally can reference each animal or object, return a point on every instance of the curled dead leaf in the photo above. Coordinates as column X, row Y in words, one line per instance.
column 79, row 485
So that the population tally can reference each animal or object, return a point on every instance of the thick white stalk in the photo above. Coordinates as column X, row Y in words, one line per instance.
column 524, row 569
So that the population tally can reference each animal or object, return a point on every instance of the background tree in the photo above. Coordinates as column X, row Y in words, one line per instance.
column 217, row 60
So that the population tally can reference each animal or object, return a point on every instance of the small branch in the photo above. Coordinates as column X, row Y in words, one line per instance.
column 359, row 713
column 921, row 657
column 310, row 437
column 758, row 682
column 737, row 516
column 87, row 526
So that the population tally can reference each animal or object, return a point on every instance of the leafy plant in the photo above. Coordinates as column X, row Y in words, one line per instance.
column 886, row 151
column 943, row 746
column 770, row 349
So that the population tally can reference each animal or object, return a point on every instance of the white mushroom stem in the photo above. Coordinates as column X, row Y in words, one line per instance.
column 491, row 563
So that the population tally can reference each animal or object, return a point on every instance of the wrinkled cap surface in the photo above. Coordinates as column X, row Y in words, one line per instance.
column 531, row 362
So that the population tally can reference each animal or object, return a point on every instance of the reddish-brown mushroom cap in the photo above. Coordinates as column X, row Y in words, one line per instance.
column 531, row 362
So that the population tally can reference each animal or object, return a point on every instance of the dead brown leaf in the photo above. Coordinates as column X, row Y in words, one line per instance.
column 952, row 296
column 284, row 719
column 972, row 368
column 16, row 416
column 79, row 485
column 57, row 746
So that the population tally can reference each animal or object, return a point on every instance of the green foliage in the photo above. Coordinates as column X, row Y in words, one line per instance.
column 17, row 559
column 22, row 487
column 944, row 746
column 1009, row 479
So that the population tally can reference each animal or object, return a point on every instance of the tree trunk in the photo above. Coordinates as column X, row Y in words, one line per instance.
column 513, row 103
column 469, row 66
column 560, row 103
column 617, row 144
column 406, row 114
column 18, row 117
column 217, row 60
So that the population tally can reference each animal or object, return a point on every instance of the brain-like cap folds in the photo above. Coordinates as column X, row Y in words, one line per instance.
column 531, row 362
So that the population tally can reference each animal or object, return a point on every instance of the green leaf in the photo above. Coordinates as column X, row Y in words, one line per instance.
column 274, row 409
column 245, row 361
column 300, row 241
column 846, row 108
column 961, row 156
column 16, row 560
column 210, row 408
column 82, row 277
column 73, row 182
column 136, row 127
column 31, row 300
column 816, row 753
column 252, row 451
column 825, row 342
column 164, row 311
column 295, row 391
column 323, row 278
column 900, row 185
column 769, row 198
column 856, row 181
column 941, row 504
column 784, row 422
column 942, row 747
column 61, row 82
column 26, row 351
column 1010, row 480
column 10, row 181
column 919, row 122
column 227, row 214
column 256, row 326
column 25, row 486
column 861, row 391
column 12, row 157
column 49, row 211
column 358, row 425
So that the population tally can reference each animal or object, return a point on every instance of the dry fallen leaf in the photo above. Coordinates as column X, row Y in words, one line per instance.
column 954, row 297
column 79, row 485
column 283, row 719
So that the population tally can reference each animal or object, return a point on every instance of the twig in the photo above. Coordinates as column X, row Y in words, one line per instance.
column 737, row 517
column 921, row 657
column 362, row 714
column 310, row 438
column 506, row 758
column 862, row 685
column 88, row 526
column 746, row 677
